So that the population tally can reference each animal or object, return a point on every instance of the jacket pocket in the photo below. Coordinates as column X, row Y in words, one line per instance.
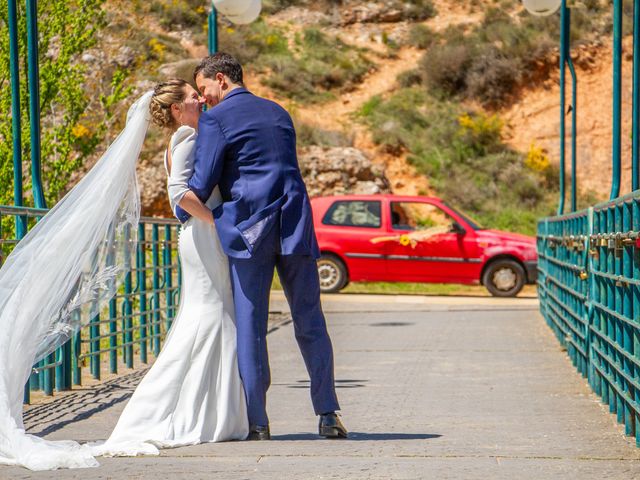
column 257, row 226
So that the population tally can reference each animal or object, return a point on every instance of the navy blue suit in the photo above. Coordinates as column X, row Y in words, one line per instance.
column 246, row 145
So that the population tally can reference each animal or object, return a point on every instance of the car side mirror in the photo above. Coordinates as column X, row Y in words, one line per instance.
column 457, row 229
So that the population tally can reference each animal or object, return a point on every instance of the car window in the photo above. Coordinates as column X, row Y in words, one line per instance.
column 472, row 223
column 418, row 216
column 353, row 213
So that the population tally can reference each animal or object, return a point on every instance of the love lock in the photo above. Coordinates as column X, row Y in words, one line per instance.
column 611, row 244
column 618, row 246
column 603, row 242
column 583, row 275
column 570, row 241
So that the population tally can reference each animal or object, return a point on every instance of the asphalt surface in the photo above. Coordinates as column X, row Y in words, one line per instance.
column 430, row 387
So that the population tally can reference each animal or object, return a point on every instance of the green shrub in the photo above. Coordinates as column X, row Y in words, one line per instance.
column 445, row 67
column 493, row 77
column 421, row 36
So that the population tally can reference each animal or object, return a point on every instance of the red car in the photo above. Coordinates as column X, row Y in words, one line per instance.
column 416, row 239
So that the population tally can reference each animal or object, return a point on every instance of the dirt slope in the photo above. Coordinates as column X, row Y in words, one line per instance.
column 535, row 119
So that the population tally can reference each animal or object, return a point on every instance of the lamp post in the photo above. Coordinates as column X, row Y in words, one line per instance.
column 213, row 30
column 546, row 8
column 34, row 102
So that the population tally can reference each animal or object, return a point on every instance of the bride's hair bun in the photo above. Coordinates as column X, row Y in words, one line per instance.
column 166, row 94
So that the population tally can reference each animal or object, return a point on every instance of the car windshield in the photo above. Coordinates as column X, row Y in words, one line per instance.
column 472, row 223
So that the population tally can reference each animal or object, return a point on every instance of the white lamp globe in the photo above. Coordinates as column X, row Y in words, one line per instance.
column 232, row 7
column 542, row 8
column 248, row 15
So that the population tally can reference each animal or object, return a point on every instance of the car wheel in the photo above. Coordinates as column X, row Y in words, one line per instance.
column 504, row 278
column 332, row 273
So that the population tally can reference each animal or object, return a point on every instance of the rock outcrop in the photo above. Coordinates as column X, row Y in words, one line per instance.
column 340, row 170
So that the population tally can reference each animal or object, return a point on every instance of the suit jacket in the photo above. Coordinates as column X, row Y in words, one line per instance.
column 247, row 146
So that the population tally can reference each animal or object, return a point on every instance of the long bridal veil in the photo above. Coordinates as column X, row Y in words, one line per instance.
column 59, row 276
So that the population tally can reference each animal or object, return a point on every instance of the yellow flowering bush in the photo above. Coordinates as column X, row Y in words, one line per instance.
column 156, row 49
column 80, row 131
column 537, row 160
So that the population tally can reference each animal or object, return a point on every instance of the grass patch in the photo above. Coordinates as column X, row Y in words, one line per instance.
column 405, row 288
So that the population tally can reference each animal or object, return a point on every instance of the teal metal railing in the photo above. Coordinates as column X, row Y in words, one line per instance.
column 589, row 260
column 589, row 289
column 132, row 325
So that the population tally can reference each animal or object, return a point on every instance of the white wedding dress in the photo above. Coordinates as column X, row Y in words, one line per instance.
column 193, row 393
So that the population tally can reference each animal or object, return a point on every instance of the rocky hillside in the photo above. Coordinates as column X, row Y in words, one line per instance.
column 330, row 62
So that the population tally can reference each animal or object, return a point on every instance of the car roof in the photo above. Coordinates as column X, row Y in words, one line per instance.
column 380, row 196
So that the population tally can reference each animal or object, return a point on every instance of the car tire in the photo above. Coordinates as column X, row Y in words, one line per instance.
column 332, row 273
column 504, row 278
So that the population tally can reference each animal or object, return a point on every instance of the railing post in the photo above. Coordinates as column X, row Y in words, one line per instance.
column 617, row 99
column 635, row 163
column 94, row 346
column 168, row 280
column 142, row 289
column 636, row 304
column 113, row 336
column 155, row 255
column 627, row 270
column 127, row 304
column 76, row 361
column 21, row 224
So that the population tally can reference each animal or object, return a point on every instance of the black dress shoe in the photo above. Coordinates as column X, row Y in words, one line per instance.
column 331, row 427
column 259, row 432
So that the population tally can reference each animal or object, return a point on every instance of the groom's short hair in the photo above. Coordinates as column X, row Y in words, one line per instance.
column 220, row 62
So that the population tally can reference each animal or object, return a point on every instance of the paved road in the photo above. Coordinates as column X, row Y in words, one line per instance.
column 431, row 388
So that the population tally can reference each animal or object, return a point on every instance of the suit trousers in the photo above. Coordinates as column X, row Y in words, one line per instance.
column 251, row 281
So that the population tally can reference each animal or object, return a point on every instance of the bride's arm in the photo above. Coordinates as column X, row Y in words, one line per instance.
column 180, row 170
column 193, row 206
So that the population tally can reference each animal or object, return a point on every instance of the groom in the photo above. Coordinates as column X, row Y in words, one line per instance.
column 247, row 146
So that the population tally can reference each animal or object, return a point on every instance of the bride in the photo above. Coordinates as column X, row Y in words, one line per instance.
column 193, row 392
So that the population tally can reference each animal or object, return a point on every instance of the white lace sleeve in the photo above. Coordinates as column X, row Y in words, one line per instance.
column 183, row 145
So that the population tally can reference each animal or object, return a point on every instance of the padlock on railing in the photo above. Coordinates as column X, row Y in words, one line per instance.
column 618, row 246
